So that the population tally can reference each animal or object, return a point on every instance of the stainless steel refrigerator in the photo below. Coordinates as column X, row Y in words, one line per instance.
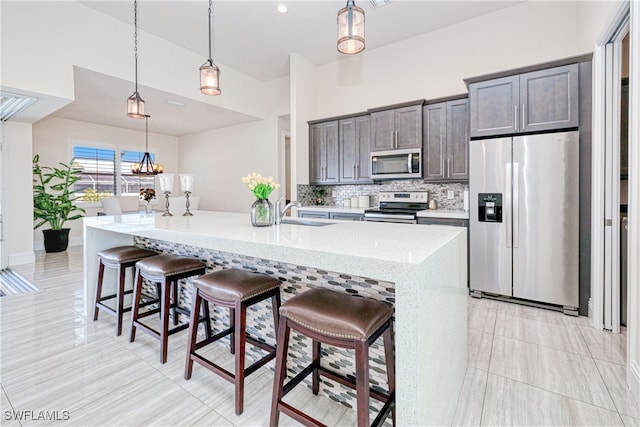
column 523, row 220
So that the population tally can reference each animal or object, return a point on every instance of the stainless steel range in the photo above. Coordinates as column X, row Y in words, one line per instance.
column 399, row 207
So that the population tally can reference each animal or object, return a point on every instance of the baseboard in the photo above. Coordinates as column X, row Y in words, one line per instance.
column 634, row 380
column 22, row 258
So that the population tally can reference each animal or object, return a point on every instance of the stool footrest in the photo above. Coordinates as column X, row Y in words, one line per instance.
column 346, row 381
column 213, row 338
column 384, row 411
column 298, row 415
column 297, row 379
column 112, row 296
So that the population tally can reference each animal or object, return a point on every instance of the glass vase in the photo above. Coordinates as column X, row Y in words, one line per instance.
column 262, row 213
column 148, row 208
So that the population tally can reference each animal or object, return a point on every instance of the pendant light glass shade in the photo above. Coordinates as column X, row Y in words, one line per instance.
column 210, row 78
column 209, row 72
column 135, row 104
column 351, row 29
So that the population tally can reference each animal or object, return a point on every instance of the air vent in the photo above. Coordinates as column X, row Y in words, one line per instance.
column 11, row 104
column 378, row 3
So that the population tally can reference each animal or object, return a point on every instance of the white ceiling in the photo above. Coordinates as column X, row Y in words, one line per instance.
column 250, row 37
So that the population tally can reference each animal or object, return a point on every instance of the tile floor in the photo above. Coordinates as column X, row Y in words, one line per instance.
column 527, row 366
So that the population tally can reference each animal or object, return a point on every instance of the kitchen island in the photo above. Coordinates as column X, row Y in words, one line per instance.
column 420, row 269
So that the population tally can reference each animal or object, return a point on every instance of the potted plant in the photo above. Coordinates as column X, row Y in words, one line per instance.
column 53, row 202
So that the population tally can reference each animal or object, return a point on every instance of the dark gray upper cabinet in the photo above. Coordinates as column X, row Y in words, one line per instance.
column 536, row 101
column 446, row 141
column 355, row 149
column 396, row 128
column 323, row 153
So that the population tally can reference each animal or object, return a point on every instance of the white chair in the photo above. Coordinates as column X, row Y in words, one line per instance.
column 129, row 204
column 111, row 206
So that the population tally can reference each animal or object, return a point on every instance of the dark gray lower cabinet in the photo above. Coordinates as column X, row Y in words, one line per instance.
column 446, row 141
column 444, row 221
column 310, row 214
column 342, row 216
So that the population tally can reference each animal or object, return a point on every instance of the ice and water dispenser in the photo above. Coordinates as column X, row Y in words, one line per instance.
column 490, row 207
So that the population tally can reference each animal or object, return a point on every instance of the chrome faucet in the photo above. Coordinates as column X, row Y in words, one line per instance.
column 281, row 213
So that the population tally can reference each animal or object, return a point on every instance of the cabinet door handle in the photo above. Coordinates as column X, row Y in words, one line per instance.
column 448, row 168
column 515, row 117
column 524, row 122
column 393, row 139
column 444, row 172
column 354, row 171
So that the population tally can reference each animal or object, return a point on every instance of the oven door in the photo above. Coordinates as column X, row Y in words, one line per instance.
column 395, row 164
column 396, row 218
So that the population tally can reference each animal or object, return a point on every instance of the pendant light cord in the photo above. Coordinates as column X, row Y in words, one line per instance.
column 135, row 37
column 210, row 36
column 146, row 133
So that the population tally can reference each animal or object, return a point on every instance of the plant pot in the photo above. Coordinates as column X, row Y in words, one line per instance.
column 56, row 240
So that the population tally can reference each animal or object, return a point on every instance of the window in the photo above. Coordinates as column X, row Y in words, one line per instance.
column 107, row 172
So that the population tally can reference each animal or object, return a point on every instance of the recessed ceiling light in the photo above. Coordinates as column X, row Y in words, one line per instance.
column 176, row 103
column 282, row 8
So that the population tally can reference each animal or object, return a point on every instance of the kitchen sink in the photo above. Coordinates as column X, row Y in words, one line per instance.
column 306, row 222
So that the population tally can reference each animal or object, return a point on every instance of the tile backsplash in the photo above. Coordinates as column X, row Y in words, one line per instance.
column 335, row 195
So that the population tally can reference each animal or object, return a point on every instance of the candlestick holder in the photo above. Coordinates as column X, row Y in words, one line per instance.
column 166, row 204
column 187, row 212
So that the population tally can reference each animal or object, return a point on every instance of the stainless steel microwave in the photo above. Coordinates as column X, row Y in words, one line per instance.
column 394, row 164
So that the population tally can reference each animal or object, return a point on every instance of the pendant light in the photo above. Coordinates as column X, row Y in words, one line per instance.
column 146, row 165
column 209, row 72
column 135, row 104
column 350, row 29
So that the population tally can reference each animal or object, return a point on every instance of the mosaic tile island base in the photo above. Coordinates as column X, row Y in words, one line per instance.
column 420, row 269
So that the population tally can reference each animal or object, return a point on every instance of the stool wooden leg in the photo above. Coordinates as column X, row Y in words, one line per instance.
column 96, row 310
column 282, row 344
column 275, row 307
column 207, row 316
column 315, row 350
column 362, row 382
column 232, row 325
column 390, row 359
column 137, row 292
column 240, row 345
column 175, row 302
column 193, row 331
column 120, row 299
column 165, row 306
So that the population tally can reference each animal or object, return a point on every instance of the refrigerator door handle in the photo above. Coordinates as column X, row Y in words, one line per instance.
column 507, row 203
column 516, row 213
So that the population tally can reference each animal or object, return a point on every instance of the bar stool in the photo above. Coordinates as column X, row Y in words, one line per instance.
column 236, row 290
column 119, row 258
column 341, row 320
column 164, row 270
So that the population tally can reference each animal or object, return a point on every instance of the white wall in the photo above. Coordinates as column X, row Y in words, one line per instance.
column 434, row 65
column 19, row 194
column 304, row 106
column 593, row 17
column 220, row 158
column 54, row 138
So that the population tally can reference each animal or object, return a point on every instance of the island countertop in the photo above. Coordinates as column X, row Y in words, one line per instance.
column 426, row 265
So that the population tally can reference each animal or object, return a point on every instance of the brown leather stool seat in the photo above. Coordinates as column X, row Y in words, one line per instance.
column 341, row 320
column 119, row 258
column 235, row 289
column 165, row 270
